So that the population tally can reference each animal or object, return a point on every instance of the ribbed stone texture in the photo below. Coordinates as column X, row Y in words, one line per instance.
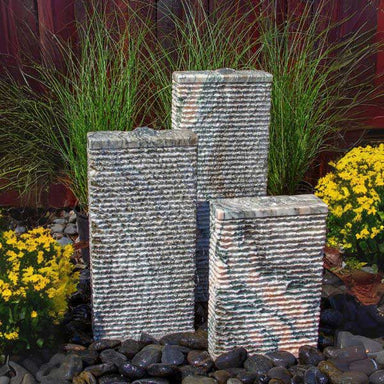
column 230, row 112
column 142, row 207
column 265, row 273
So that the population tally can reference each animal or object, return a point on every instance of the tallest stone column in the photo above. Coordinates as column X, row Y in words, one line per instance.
column 230, row 113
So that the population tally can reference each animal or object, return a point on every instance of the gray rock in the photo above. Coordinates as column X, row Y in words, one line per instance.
column 21, row 374
column 172, row 355
column 367, row 366
column 72, row 217
column 60, row 220
column 101, row 369
column 147, row 356
column 162, row 370
column 69, row 368
column 112, row 379
column 57, row 228
column 85, row 378
column 110, row 356
column 310, row 355
column 20, row 229
column 258, row 364
column 131, row 371
column 379, row 358
column 4, row 380
column 221, row 376
column 377, row 377
column 70, row 229
column 347, row 339
column 232, row 359
column 198, row 380
column 188, row 370
column 63, row 241
column 234, row 380
column 89, row 357
column 282, row 358
column 347, row 354
column 353, row 377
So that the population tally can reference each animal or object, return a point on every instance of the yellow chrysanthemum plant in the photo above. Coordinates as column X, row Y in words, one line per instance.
column 354, row 193
column 36, row 278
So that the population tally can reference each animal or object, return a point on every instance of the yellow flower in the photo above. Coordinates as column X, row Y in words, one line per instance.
column 33, row 314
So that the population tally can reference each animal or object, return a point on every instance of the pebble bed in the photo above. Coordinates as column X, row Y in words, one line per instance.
column 341, row 357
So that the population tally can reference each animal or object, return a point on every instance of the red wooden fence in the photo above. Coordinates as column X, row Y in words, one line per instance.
column 26, row 27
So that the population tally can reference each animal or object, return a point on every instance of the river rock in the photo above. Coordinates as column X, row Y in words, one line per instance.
column 151, row 380
column 347, row 354
column 112, row 379
column 101, row 369
column 258, row 364
column 163, row 370
column 234, row 380
column 310, row 355
column 280, row 373
column 221, row 376
column 232, row 359
column 147, row 356
column 314, row 376
column 130, row 347
column 200, row 359
column 377, row 377
column 188, row 370
column 110, row 356
column 146, row 339
column 282, row 358
column 131, row 371
column 198, row 380
column 89, row 357
column 195, row 340
column 172, row 355
column 71, row 366
column 367, row 366
column 353, row 377
column 347, row 339
column 104, row 344
column 4, row 380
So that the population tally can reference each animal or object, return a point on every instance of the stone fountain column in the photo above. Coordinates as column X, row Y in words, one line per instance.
column 265, row 273
column 230, row 113
column 142, row 209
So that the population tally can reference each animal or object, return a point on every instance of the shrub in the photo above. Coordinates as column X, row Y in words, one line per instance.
column 36, row 277
column 354, row 192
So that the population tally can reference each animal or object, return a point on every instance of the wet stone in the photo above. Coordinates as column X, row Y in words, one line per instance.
column 328, row 369
column 110, row 356
column 89, row 357
column 172, row 355
column 310, row 355
column 340, row 364
column 377, row 377
column 234, row 380
column 112, row 379
column 151, row 380
column 258, row 364
column 71, row 366
column 232, row 359
column 195, row 340
column 146, row 339
column 104, row 344
column 367, row 366
column 187, row 370
column 173, row 338
column 314, row 376
column 347, row 354
column 131, row 371
column 299, row 370
column 130, row 347
column 198, row 380
column 221, row 376
column 101, row 369
column 353, row 377
column 162, row 370
column 200, row 359
column 280, row 373
column 347, row 339
column 276, row 381
column 247, row 377
column 282, row 358
column 146, row 357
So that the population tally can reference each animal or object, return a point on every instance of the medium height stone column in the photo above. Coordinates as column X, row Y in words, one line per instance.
column 230, row 112
column 265, row 273
column 142, row 208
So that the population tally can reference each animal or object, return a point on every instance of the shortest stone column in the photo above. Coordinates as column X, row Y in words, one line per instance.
column 142, row 209
column 265, row 273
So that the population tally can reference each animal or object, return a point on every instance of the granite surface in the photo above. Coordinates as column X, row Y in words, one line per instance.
column 265, row 273
column 142, row 209
column 230, row 113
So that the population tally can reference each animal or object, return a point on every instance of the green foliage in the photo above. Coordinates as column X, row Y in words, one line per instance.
column 354, row 193
column 36, row 278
